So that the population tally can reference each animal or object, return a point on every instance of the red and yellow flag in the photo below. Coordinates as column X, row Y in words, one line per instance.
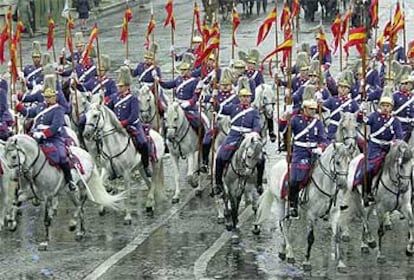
column 19, row 31
column 336, row 31
column 212, row 33
column 295, row 8
column 345, row 22
column 150, row 29
column 323, row 47
column 285, row 17
column 385, row 34
column 92, row 37
column 50, row 33
column 373, row 10
column 285, row 46
column 197, row 18
column 215, row 44
column 71, row 26
column 4, row 36
column 127, row 18
column 170, row 14
column 266, row 26
column 356, row 37
column 236, row 23
column 398, row 21
column 410, row 53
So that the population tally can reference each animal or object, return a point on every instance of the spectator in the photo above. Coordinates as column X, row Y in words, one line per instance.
column 83, row 9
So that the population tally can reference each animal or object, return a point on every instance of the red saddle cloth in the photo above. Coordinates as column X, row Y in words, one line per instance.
column 50, row 151
column 285, row 185
column 1, row 169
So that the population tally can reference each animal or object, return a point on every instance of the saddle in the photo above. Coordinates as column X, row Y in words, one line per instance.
column 152, row 148
column 52, row 156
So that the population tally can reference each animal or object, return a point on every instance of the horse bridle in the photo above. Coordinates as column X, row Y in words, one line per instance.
column 177, row 143
column 244, row 162
column 152, row 116
column 398, row 178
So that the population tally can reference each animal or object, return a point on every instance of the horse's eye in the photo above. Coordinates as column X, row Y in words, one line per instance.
column 95, row 116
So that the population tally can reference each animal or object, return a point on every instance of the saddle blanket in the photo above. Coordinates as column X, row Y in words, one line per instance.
column 52, row 156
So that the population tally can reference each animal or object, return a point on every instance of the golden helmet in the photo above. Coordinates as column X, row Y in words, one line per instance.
column 124, row 78
column 36, row 49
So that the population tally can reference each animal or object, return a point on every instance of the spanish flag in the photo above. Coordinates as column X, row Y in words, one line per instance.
column 410, row 53
column 295, row 8
column 19, row 31
column 92, row 37
column 373, row 10
column 236, row 23
column 384, row 34
column 266, row 26
column 71, row 25
column 50, row 33
column 356, row 37
column 336, row 31
column 170, row 14
column 215, row 44
column 285, row 46
column 323, row 47
column 285, row 17
column 150, row 29
column 4, row 36
column 345, row 22
column 398, row 21
column 126, row 20
column 197, row 18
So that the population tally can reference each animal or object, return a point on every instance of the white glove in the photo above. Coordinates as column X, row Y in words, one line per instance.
column 37, row 88
column 317, row 151
column 362, row 82
column 38, row 135
column 289, row 109
column 127, row 62
column 363, row 107
column 63, row 51
column 55, row 65
column 318, row 95
column 101, row 92
column 154, row 73
column 200, row 85
column 231, row 63
column 365, row 119
column 172, row 49
column 215, row 92
column 14, row 98
column 74, row 76
column 21, row 75
column 185, row 104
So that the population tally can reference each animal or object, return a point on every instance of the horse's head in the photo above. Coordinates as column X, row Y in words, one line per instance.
column 175, row 119
column 347, row 131
column 251, row 150
column 265, row 100
column 398, row 164
column 19, row 151
column 147, row 101
column 338, row 157
column 95, row 120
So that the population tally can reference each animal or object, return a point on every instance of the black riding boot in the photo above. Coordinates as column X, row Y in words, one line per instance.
column 218, row 187
column 260, row 171
column 144, row 151
column 68, row 176
column 293, row 199
column 369, row 197
column 206, row 153
column 271, row 127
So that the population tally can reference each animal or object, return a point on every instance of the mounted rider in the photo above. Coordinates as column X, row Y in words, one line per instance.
column 239, row 70
column 80, row 49
column 6, row 118
column 146, row 71
column 385, row 128
column 207, row 71
column 187, row 92
column 370, row 82
column 126, row 107
column 32, row 74
column 244, row 119
column 223, row 97
column 48, row 127
column 309, row 141
column 404, row 104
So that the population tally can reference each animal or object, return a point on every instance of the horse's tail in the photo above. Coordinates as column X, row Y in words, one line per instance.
column 158, row 181
column 100, row 195
column 265, row 205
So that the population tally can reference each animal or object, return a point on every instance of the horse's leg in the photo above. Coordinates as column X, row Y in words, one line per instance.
column 220, row 209
column 46, row 221
column 336, row 232
column 387, row 221
column 381, row 232
column 80, row 233
column 311, row 238
column 190, row 169
column 407, row 211
column 175, row 162
column 127, row 180
column 235, row 203
column 345, row 216
column 55, row 204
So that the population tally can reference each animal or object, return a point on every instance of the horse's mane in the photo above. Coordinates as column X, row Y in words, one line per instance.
column 111, row 115
column 249, row 137
column 346, row 120
column 394, row 153
column 16, row 138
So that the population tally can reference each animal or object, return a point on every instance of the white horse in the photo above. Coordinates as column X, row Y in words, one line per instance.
column 328, row 178
column 149, row 111
column 393, row 192
column 24, row 156
column 182, row 142
column 264, row 101
column 114, row 146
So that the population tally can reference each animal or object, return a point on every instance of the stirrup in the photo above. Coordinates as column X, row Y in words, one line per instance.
column 293, row 213
column 72, row 186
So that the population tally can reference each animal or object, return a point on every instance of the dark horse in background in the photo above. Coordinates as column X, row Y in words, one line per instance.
column 329, row 8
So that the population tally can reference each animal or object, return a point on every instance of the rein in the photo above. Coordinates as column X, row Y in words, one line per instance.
column 177, row 144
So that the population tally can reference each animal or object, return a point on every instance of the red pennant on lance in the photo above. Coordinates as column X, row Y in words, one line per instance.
column 373, row 10
column 398, row 21
column 50, row 33
column 170, row 15
column 92, row 37
column 126, row 19
column 356, row 37
column 197, row 18
column 71, row 26
column 19, row 31
column 4, row 36
column 150, row 29
column 295, row 8
column 323, row 46
column 285, row 17
column 13, row 59
column 336, row 31
column 9, row 16
column 213, row 32
column 236, row 23
column 285, row 46
column 345, row 22
column 215, row 44
column 385, row 34
column 410, row 53
column 266, row 26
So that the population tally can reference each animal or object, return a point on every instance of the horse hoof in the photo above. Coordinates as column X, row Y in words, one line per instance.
column 220, row 220
column 198, row 193
column 12, row 226
column 381, row 259
column 127, row 222
column 364, row 250
column 282, row 256
column 235, row 239
column 372, row 244
column 102, row 212
column 72, row 225
column 346, row 238
column 291, row 260
column 256, row 230
column 307, row 266
column 175, row 200
column 229, row 227
column 388, row 227
column 149, row 209
column 341, row 268
column 408, row 253
column 42, row 246
column 35, row 202
column 79, row 236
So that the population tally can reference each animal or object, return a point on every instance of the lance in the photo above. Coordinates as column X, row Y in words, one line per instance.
column 98, row 52
column 12, row 61
column 404, row 31
column 364, row 99
column 69, row 36
column 297, row 26
column 289, row 126
column 23, row 84
column 192, row 26
column 340, row 46
column 156, row 85
column 232, row 32
column 277, row 83
column 127, row 39
column 172, row 58
column 391, row 47
column 320, row 54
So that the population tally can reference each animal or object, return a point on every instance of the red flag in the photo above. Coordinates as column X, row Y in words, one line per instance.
column 285, row 46
column 236, row 23
column 410, row 53
column 356, row 37
column 285, row 17
column 295, row 8
column 385, row 34
column 373, row 10
column 50, row 33
column 125, row 21
column 13, row 59
column 71, row 26
column 92, row 37
column 213, row 32
column 398, row 21
column 336, row 31
column 197, row 18
column 19, row 31
column 265, row 27
column 323, row 47
column 4, row 36
column 170, row 14
column 150, row 29
column 215, row 44
column 345, row 22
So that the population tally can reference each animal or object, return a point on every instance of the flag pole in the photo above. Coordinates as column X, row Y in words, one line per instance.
column 277, row 82
column 232, row 32
column 156, row 86
column 289, row 129
column 173, row 58
column 364, row 99
column 192, row 26
column 126, row 39
column 390, row 45
column 340, row 46
column 69, row 36
column 404, row 31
